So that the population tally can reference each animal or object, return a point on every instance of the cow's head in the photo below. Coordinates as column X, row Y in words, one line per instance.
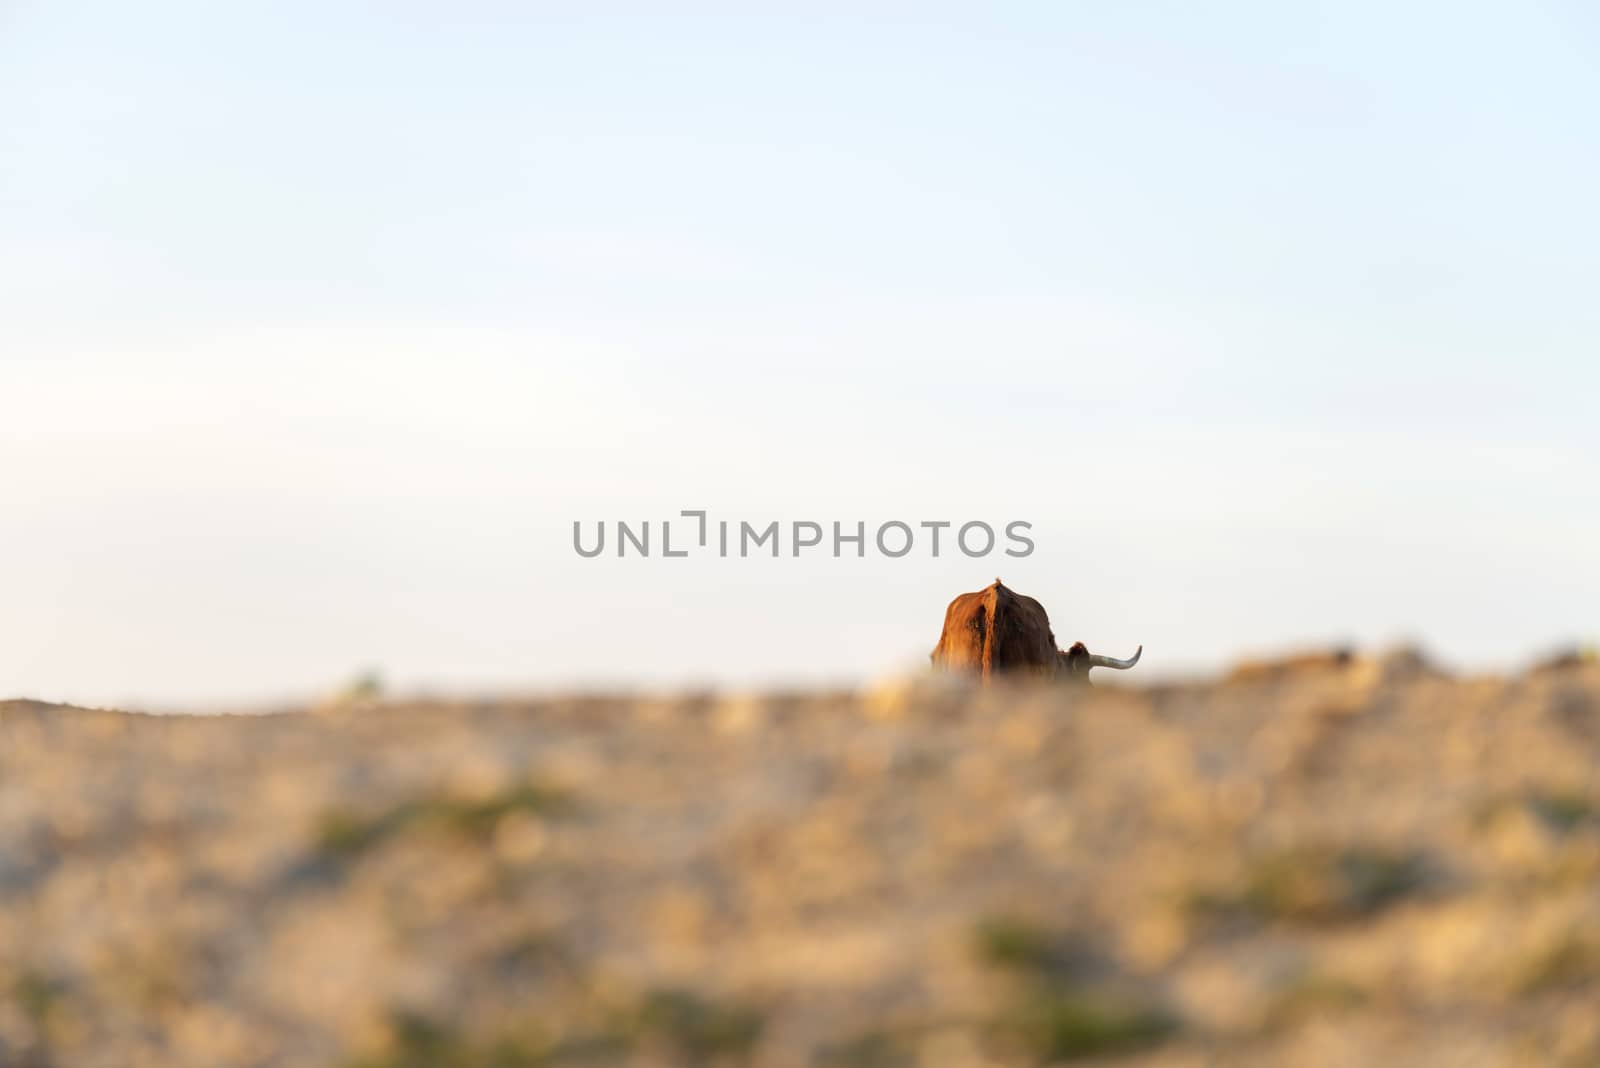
column 1074, row 664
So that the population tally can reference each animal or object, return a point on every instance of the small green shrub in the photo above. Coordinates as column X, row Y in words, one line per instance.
column 1053, row 1011
column 1050, row 1024
column 697, row 1028
column 37, row 995
column 687, row 1028
column 1318, row 885
column 1013, row 943
column 418, row 1042
column 1562, row 811
column 344, row 834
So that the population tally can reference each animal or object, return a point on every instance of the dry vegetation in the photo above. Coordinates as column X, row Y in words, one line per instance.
column 1352, row 862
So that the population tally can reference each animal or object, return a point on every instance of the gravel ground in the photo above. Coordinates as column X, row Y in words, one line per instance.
column 1338, row 864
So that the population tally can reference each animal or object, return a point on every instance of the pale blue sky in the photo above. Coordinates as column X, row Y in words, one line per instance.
column 320, row 323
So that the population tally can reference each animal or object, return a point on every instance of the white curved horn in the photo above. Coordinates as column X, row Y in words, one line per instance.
column 1096, row 660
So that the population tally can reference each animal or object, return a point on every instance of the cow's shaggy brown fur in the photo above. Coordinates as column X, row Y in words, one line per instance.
column 998, row 631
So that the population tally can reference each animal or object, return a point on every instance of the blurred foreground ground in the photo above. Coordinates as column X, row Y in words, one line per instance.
column 1349, row 864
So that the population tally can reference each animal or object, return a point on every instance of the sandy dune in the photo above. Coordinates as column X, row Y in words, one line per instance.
column 1339, row 865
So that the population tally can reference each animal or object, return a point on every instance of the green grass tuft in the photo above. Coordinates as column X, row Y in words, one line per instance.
column 1016, row 944
column 1053, row 1012
column 684, row 1028
column 37, row 996
column 1318, row 885
column 1562, row 811
column 1051, row 1025
column 344, row 834
column 697, row 1028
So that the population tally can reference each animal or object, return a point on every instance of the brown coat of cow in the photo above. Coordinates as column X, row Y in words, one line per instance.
column 998, row 631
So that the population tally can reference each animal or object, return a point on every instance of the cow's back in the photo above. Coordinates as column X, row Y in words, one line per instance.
column 996, row 630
